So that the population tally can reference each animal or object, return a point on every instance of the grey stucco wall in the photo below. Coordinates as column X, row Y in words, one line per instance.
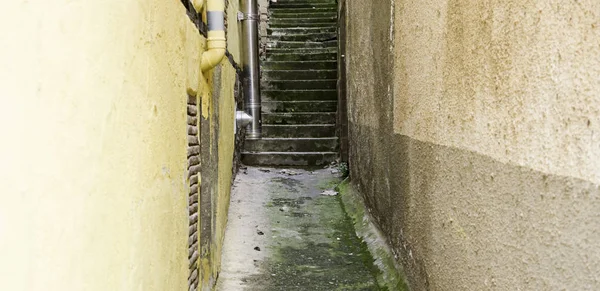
column 473, row 139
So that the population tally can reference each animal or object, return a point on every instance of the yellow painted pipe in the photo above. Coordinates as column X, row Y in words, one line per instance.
column 216, row 42
column 198, row 4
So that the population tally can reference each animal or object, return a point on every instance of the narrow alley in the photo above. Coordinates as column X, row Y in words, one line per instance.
column 300, row 145
column 287, row 227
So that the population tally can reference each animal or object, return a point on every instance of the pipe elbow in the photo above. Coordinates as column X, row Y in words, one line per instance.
column 198, row 4
column 216, row 42
column 211, row 58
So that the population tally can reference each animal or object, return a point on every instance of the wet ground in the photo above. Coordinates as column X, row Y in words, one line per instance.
column 285, row 232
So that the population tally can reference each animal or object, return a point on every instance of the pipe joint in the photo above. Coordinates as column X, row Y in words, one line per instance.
column 216, row 41
column 198, row 4
column 242, row 119
column 247, row 16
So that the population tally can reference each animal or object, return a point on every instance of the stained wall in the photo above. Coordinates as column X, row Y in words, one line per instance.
column 96, row 185
column 473, row 138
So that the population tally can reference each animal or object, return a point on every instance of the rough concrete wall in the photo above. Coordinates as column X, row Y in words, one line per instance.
column 473, row 128
column 342, row 106
column 521, row 73
column 263, row 10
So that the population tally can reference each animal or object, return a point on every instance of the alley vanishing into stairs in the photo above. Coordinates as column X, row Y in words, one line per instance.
column 298, row 86
column 287, row 227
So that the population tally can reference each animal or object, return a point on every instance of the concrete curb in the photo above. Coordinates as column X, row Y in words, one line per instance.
column 392, row 274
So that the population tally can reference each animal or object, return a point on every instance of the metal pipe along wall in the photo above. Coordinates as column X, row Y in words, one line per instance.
column 250, row 66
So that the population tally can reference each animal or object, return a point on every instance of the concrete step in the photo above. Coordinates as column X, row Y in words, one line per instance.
column 312, row 24
column 299, row 75
column 299, row 118
column 301, row 65
column 277, row 10
column 283, row 2
column 315, row 37
column 298, row 84
column 301, row 44
column 301, row 50
column 327, row 56
column 331, row 20
column 288, row 159
column 317, row 144
column 299, row 130
column 300, row 30
column 298, row 95
column 310, row 14
column 299, row 106
column 290, row 4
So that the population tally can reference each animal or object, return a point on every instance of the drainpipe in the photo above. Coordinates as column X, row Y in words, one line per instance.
column 198, row 4
column 250, row 65
column 216, row 44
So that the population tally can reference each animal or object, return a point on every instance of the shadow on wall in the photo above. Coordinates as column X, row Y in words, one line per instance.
column 448, row 106
column 214, row 151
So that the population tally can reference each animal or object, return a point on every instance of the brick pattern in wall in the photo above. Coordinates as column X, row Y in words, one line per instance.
column 202, row 199
column 193, row 172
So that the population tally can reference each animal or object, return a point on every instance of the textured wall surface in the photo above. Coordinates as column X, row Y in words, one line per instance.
column 218, row 137
column 524, row 74
column 98, row 192
column 474, row 139
column 94, row 152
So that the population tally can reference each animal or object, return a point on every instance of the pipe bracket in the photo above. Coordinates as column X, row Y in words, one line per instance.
column 244, row 16
column 242, row 119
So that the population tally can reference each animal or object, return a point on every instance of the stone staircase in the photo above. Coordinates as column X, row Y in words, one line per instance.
column 298, row 86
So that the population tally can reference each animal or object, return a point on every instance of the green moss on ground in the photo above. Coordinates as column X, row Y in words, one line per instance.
column 314, row 244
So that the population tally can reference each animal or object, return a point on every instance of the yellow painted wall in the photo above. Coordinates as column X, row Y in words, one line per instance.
column 226, row 139
column 225, row 159
column 94, row 186
column 218, row 106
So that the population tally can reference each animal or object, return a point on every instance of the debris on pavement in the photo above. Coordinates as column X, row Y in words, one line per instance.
column 329, row 193
column 289, row 172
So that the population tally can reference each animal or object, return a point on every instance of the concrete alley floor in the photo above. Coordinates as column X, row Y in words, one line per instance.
column 285, row 234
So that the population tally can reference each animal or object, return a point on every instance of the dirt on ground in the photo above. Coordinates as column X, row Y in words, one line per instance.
column 288, row 230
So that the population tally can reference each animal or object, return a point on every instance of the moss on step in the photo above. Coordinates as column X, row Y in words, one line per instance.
column 299, row 84
column 299, row 118
column 329, row 56
column 303, row 65
column 299, row 106
column 298, row 95
column 299, row 75
column 314, row 130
